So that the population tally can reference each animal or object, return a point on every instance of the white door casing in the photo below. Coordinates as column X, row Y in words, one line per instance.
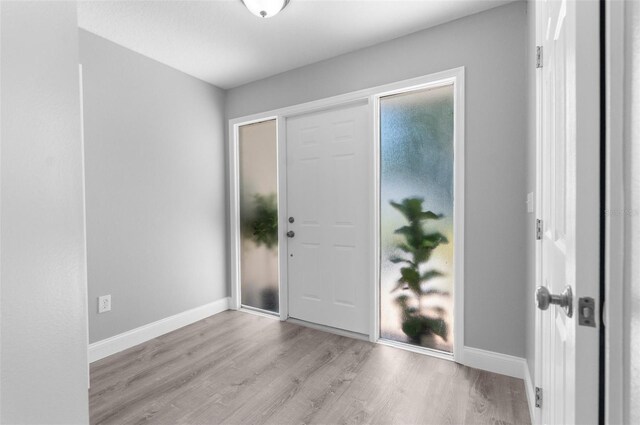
column 328, row 198
column 568, row 179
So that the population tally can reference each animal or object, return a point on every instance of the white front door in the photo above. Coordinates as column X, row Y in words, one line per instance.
column 329, row 216
column 568, row 164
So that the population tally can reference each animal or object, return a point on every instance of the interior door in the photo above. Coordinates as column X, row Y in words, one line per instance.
column 329, row 215
column 567, row 351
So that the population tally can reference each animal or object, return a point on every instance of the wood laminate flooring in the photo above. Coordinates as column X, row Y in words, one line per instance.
column 240, row 368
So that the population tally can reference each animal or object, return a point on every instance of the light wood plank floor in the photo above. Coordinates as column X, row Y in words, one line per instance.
column 239, row 368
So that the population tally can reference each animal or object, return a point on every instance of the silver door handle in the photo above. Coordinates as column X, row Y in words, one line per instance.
column 564, row 300
column 291, row 233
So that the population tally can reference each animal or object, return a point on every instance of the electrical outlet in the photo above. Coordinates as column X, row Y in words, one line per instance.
column 530, row 204
column 104, row 303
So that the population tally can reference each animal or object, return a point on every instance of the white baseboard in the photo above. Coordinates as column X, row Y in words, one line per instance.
column 115, row 344
column 503, row 364
column 531, row 394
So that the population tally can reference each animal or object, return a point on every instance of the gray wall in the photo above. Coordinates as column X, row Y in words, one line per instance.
column 493, row 47
column 155, row 188
column 44, row 341
column 632, row 214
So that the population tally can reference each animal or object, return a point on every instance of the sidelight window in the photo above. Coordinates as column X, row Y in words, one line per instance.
column 416, row 217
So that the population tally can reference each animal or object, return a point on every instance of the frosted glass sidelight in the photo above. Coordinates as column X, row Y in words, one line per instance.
column 259, row 215
column 416, row 217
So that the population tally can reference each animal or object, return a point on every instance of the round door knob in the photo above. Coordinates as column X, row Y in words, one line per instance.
column 291, row 233
column 565, row 300
column 543, row 297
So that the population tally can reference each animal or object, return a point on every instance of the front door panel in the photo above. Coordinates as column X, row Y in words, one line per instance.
column 328, row 198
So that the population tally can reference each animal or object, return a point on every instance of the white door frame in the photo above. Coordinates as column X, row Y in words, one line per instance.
column 614, row 213
column 371, row 96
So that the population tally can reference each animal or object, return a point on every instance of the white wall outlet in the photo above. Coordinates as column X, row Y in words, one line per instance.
column 530, row 204
column 104, row 303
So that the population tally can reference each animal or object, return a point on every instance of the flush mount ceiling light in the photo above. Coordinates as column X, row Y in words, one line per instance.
column 265, row 8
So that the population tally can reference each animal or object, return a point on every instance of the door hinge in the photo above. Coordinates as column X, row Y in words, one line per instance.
column 538, row 229
column 538, row 397
column 538, row 56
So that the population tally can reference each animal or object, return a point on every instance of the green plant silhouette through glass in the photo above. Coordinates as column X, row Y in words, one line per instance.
column 264, row 221
column 416, row 233
column 417, row 247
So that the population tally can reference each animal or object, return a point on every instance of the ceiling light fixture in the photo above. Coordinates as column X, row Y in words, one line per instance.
column 265, row 8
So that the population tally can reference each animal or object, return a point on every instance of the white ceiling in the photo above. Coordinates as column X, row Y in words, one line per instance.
column 222, row 43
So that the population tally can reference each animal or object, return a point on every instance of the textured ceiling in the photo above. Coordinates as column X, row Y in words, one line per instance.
column 222, row 43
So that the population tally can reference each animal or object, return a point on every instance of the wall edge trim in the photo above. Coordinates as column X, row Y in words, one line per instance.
column 530, row 390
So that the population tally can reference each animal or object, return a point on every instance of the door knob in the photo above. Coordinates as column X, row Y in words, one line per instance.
column 564, row 300
column 291, row 233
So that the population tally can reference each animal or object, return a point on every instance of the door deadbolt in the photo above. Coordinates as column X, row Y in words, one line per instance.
column 291, row 220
